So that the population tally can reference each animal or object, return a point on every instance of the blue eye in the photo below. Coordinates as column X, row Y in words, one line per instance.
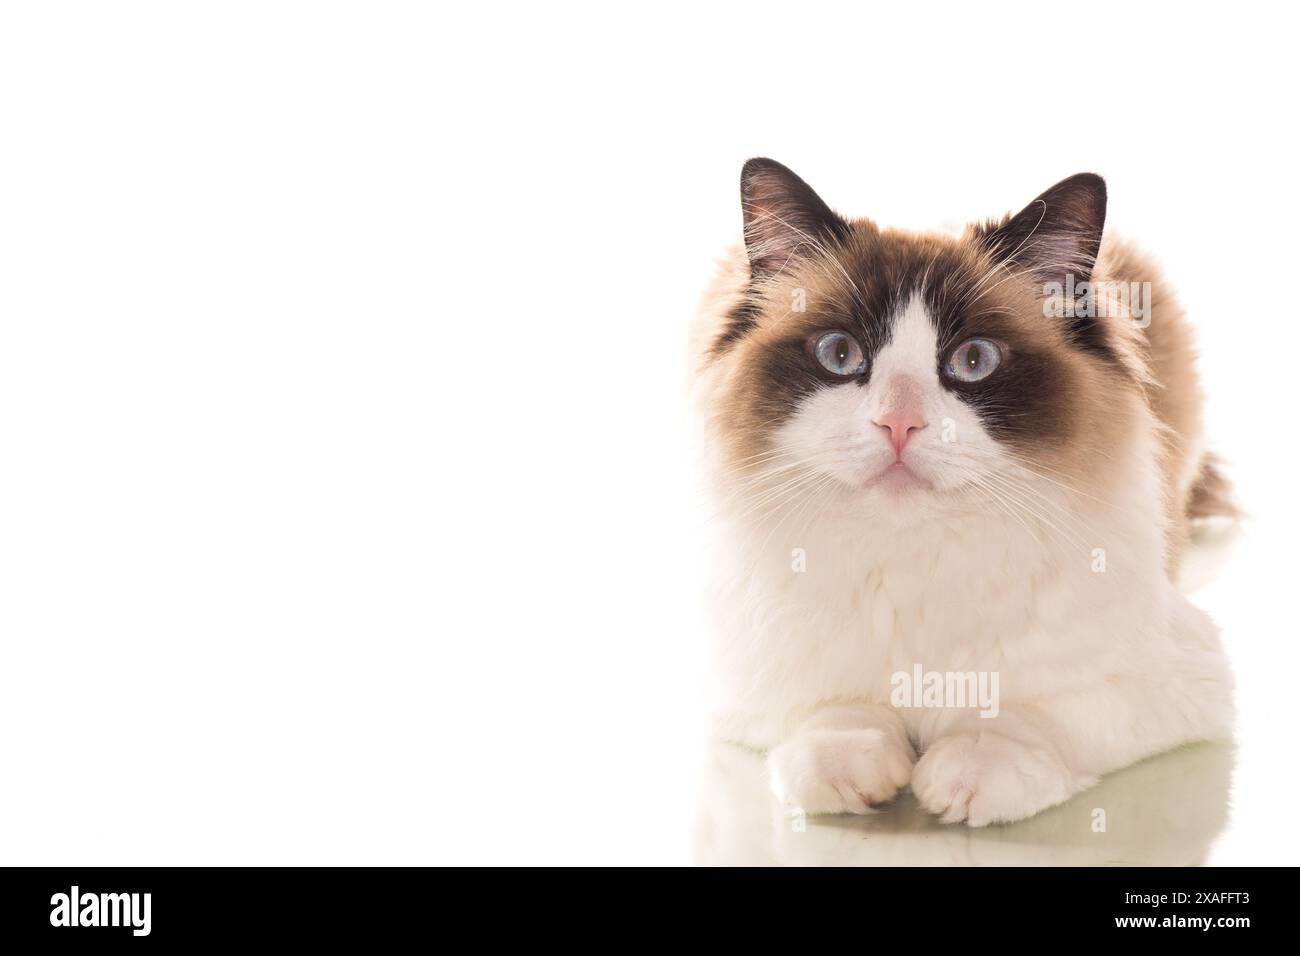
column 840, row 354
column 974, row 360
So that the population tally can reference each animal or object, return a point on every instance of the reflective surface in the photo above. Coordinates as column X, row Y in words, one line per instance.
column 1166, row 811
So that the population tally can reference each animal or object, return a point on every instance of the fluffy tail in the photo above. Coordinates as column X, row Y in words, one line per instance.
column 1211, row 493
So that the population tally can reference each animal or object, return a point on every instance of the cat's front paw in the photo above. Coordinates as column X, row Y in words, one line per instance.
column 988, row 778
column 840, row 771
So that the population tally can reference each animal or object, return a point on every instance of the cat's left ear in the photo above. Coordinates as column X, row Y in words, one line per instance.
column 1056, row 235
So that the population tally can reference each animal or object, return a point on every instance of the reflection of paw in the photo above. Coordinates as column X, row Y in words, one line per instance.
column 840, row 771
column 988, row 778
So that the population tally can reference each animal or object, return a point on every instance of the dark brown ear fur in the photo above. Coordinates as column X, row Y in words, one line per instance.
column 1056, row 239
column 784, row 218
column 1059, row 233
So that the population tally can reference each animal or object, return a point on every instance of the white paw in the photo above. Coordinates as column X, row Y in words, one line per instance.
column 988, row 778
column 840, row 771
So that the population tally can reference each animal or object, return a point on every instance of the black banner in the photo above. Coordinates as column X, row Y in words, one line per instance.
column 136, row 907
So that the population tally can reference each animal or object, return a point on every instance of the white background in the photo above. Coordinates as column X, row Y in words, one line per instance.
column 346, row 510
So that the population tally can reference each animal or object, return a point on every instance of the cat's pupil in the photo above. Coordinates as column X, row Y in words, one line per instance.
column 842, row 351
column 972, row 358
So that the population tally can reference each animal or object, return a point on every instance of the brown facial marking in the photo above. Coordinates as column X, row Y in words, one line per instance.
column 1035, row 402
column 1060, row 390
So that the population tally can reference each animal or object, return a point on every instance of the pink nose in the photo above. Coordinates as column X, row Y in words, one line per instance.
column 901, row 422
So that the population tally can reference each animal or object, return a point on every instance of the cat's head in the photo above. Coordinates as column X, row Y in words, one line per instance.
column 908, row 369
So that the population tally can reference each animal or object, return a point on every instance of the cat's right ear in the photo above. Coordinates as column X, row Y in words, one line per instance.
column 784, row 218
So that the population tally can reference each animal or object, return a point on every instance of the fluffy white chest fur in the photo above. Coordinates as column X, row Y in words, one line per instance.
column 835, row 609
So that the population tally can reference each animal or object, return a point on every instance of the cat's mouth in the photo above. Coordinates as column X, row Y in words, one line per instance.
column 899, row 477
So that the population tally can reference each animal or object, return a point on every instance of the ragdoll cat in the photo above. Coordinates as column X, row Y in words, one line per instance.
column 971, row 460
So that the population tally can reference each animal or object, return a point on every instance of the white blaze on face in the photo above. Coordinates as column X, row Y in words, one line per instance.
column 853, row 431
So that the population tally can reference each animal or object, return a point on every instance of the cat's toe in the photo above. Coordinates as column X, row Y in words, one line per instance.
column 840, row 771
column 988, row 778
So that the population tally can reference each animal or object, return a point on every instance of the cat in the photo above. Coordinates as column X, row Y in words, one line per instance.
column 952, row 455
